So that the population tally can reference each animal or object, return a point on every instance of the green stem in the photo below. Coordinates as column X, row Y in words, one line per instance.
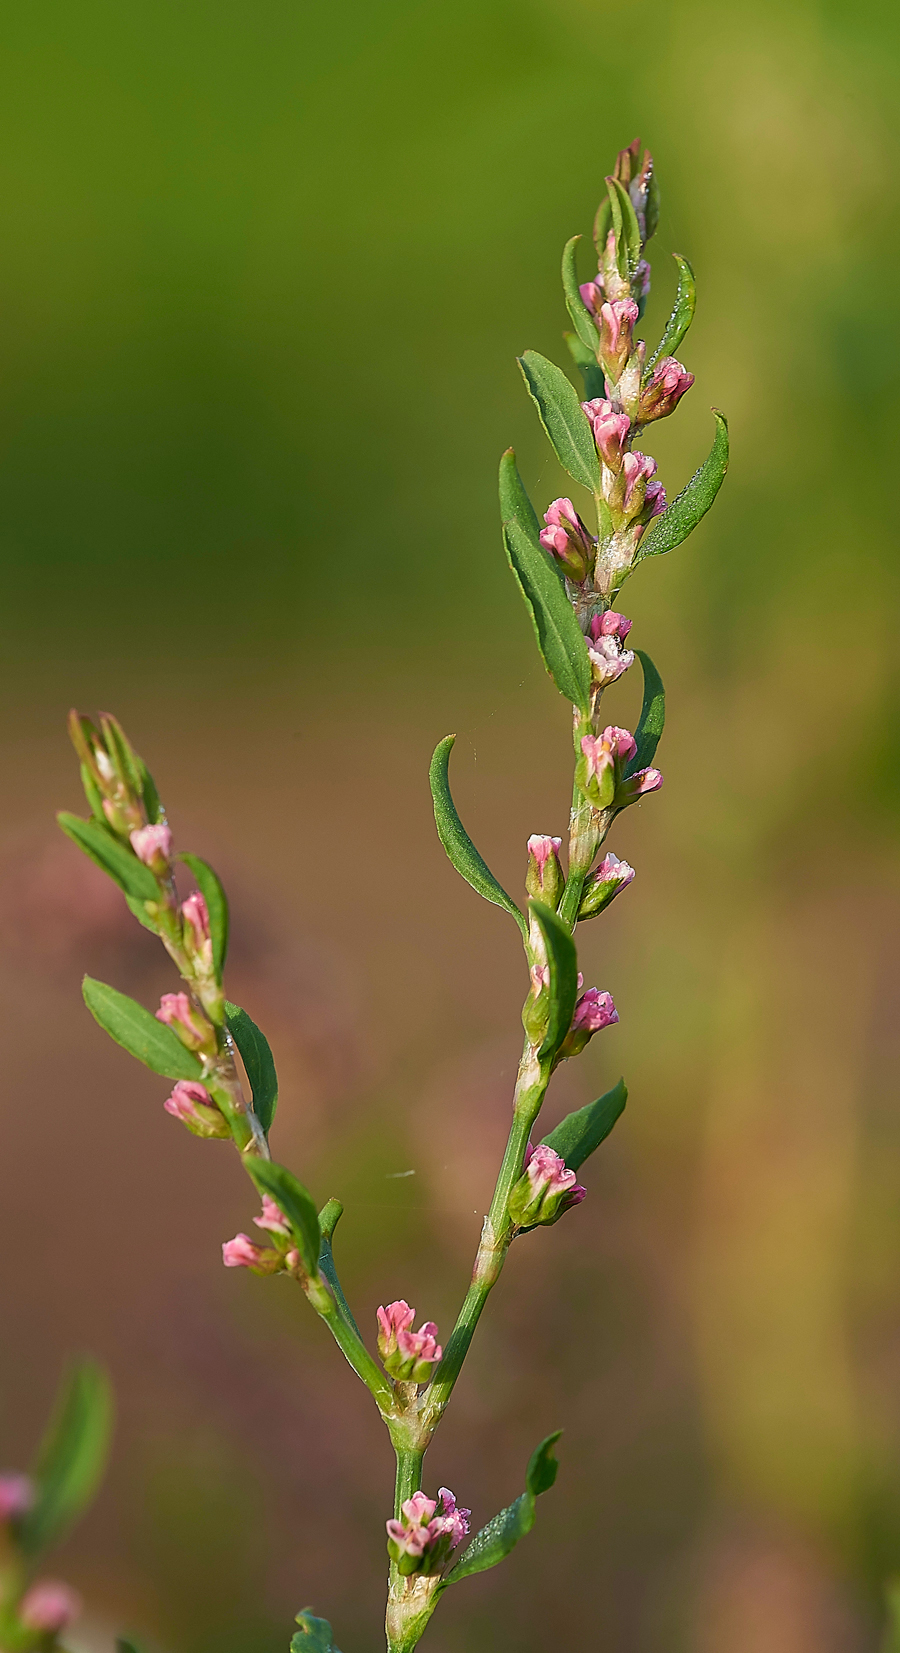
column 409, row 1476
column 350, row 1344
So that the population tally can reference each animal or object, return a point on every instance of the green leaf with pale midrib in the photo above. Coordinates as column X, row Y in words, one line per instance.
column 116, row 859
column 71, row 1458
column 681, row 317
column 559, row 636
column 139, row 1032
column 682, row 516
column 653, row 716
column 582, row 1132
column 256, row 1055
column 294, row 1201
column 560, row 411
column 495, row 1540
column 563, row 989
column 582, row 321
column 456, row 841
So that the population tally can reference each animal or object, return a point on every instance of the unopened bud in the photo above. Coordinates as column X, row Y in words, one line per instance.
column 187, row 1022
column 616, row 329
column 196, row 933
column 567, row 539
column 192, row 1104
column 637, row 472
column 406, row 1355
column 660, row 397
column 593, row 1012
column 544, row 880
column 48, row 1607
column 603, row 885
column 610, row 426
column 600, row 768
column 242, row 1253
column 153, row 846
column 635, row 787
column 545, row 1191
column 17, row 1494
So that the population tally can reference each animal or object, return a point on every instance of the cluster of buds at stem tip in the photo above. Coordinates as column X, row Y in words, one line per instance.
column 568, row 540
column 48, row 1607
column 601, row 770
column 545, row 1191
column 192, row 1104
column 428, row 1534
column 406, row 1355
column 117, row 783
column 608, row 657
column 603, row 885
column 281, row 1257
column 544, row 880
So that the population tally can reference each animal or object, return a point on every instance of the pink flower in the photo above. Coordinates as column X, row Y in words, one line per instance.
column 611, row 868
column 430, row 1530
column 192, row 1104
column 654, row 500
column 542, row 847
column 177, row 1012
column 48, row 1607
column 645, row 780
column 546, row 1189
column 638, row 469
column 17, row 1494
column 616, row 327
column 241, row 1252
column 272, row 1218
column 407, row 1356
column 594, row 1011
column 544, row 879
column 567, row 539
column 610, row 624
column 608, row 658
column 457, row 1519
column 610, row 427
column 397, row 1317
column 153, row 846
column 592, row 296
column 667, row 385
column 603, row 885
column 196, row 931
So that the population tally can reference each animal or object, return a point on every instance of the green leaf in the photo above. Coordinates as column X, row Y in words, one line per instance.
column 314, row 1636
column 576, row 1136
column 653, row 716
column 651, row 211
column 257, row 1058
column 329, row 1217
column 138, row 1032
column 588, row 366
column 628, row 231
column 456, row 841
column 494, row 1542
column 559, row 636
column 217, row 906
column 295, row 1203
column 116, row 859
column 681, row 317
column 149, row 794
column 563, row 990
column 127, row 1644
column 684, row 513
column 582, row 320
column 139, row 908
column 558, row 404
column 71, row 1458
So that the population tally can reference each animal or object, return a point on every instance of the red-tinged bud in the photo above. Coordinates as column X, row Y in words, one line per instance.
column 407, row 1356
column 192, row 1104
column 545, row 1191
column 196, row 933
column 48, row 1607
column 599, row 770
column 610, row 427
column 17, row 1494
column 153, row 846
column 177, row 1012
column 603, row 885
column 544, row 880
column 661, row 395
column 609, row 660
column 592, row 296
column 242, row 1253
column 637, row 469
column 636, row 786
column 397, row 1317
column 273, row 1219
column 616, row 329
column 593, row 1012
column 429, row 1532
column 567, row 539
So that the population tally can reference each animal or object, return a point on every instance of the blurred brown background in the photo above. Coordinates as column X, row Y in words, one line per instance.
column 263, row 274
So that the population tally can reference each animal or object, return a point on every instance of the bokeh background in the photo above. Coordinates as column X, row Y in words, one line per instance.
column 264, row 271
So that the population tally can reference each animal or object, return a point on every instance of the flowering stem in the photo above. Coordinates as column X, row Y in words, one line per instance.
column 587, row 829
column 350, row 1343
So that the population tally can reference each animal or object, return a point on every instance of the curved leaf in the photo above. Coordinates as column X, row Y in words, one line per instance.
column 295, row 1203
column 628, row 232
column 557, row 403
column 456, row 841
column 71, row 1458
column 563, row 989
column 559, row 636
column 582, row 320
column 116, row 859
column 216, row 900
column 682, row 314
column 494, row 1542
column 581, row 1132
column 684, row 513
column 314, row 1636
column 257, row 1058
column 329, row 1217
column 653, row 716
column 139, row 1032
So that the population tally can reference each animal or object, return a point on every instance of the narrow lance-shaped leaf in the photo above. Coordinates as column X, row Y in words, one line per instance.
column 628, row 232
column 71, row 1458
column 118, row 861
column 582, row 320
column 329, row 1217
column 456, row 841
column 314, row 1636
column 216, row 900
column 684, row 513
column 494, row 1542
column 139, row 1032
column 295, row 1203
column 562, row 991
column 559, row 637
column 257, row 1058
column 588, row 366
column 557, row 403
column 681, row 317
column 653, row 716
column 580, row 1133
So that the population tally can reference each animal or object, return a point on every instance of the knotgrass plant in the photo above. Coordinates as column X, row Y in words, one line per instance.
column 570, row 576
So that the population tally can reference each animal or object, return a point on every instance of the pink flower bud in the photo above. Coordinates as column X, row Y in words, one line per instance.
column 430, row 1530
column 600, row 768
column 48, row 1607
column 544, row 879
column 630, row 790
column 196, row 932
column 592, row 296
column 407, row 1356
column 397, row 1317
column 603, row 885
column 616, row 328
column 272, row 1218
column 17, row 1494
column 654, row 500
column 610, row 427
column 594, row 1011
column 546, row 1189
column 567, row 539
column 610, row 624
column 194, row 1031
column 638, row 468
column 192, row 1104
column 242, row 1253
column 608, row 658
column 153, row 846
column 668, row 383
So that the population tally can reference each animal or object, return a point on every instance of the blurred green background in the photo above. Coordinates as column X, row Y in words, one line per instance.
column 264, row 271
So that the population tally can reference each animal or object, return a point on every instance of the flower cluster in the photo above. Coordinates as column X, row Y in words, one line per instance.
column 547, row 1189
column 430, row 1531
column 282, row 1258
column 602, row 770
column 406, row 1355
